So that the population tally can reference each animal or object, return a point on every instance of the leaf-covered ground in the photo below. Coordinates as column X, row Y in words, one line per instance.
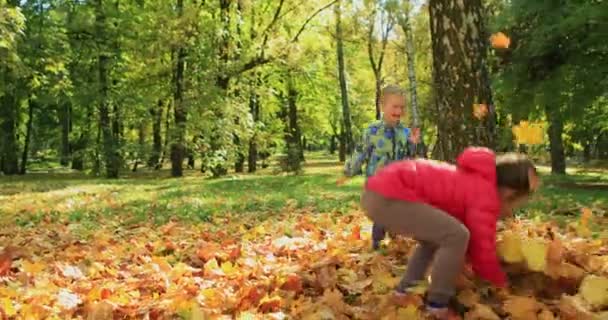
column 268, row 247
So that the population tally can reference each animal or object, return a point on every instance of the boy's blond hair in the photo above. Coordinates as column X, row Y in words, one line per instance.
column 392, row 89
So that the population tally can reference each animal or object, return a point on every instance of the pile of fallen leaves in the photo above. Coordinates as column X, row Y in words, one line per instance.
column 305, row 266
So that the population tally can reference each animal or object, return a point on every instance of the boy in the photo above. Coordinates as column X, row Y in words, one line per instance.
column 383, row 142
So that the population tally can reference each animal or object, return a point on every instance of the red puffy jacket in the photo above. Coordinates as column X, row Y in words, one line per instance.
column 467, row 191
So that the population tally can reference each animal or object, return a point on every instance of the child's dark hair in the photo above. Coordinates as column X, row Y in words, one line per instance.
column 512, row 171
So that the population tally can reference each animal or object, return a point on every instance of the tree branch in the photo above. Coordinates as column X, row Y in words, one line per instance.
column 275, row 18
column 258, row 61
column 389, row 26
column 370, row 41
column 295, row 39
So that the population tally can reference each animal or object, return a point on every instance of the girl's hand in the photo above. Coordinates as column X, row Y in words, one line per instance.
column 468, row 270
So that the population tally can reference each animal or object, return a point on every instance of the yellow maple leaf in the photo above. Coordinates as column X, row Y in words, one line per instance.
column 535, row 253
column 33, row 267
column 409, row 312
column 7, row 306
column 527, row 133
column 384, row 281
column 509, row 247
column 594, row 290
column 229, row 269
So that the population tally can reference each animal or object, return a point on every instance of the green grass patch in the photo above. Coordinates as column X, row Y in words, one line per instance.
column 154, row 197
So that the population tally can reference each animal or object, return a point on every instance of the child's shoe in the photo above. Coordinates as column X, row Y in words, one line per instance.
column 375, row 245
column 439, row 312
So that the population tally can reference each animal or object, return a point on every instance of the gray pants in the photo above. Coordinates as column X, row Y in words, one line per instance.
column 441, row 237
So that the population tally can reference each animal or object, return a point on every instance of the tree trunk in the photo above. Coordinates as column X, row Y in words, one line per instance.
column 332, row 144
column 66, row 117
column 178, row 149
column 28, row 136
column 406, row 26
column 110, row 151
column 458, row 56
column 254, row 109
column 167, row 137
column 80, row 147
column 341, row 148
column 378, row 98
column 141, row 137
column 157, row 144
column 289, row 113
column 10, row 158
column 411, row 69
column 346, row 117
column 556, row 142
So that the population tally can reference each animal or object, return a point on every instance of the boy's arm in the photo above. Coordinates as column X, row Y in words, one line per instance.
column 360, row 155
column 412, row 141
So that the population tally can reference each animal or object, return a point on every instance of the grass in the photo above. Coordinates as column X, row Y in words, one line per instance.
column 155, row 197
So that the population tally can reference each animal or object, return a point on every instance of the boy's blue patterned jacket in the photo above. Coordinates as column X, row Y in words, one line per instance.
column 380, row 146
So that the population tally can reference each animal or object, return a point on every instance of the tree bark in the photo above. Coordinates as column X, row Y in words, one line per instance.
column 292, row 134
column 178, row 148
column 556, row 142
column 346, row 117
column 80, row 147
column 410, row 50
column 157, row 144
column 167, row 137
column 254, row 109
column 28, row 136
column 341, row 148
column 458, row 55
column 65, row 133
column 10, row 159
column 110, row 151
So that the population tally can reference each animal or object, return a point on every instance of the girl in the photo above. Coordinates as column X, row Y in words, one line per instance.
column 451, row 211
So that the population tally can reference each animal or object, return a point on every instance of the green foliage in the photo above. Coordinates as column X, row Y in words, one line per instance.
column 556, row 64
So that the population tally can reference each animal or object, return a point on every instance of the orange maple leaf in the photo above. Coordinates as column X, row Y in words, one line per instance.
column 292, row 283
column 270, row 304
column 500, row 41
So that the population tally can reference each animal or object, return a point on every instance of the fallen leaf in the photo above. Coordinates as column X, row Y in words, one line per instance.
column 481, row 312
column 594, row 290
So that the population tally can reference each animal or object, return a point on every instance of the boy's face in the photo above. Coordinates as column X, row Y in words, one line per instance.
column 392, row 107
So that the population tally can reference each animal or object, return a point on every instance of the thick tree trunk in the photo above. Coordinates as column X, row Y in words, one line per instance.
column 458, row 55
column 556, row 142
column 157, row 144
column 66, row 117
column 178, row 148
column 346, row 117
column 111, row 156
column 28, row 136
column 10, row 158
